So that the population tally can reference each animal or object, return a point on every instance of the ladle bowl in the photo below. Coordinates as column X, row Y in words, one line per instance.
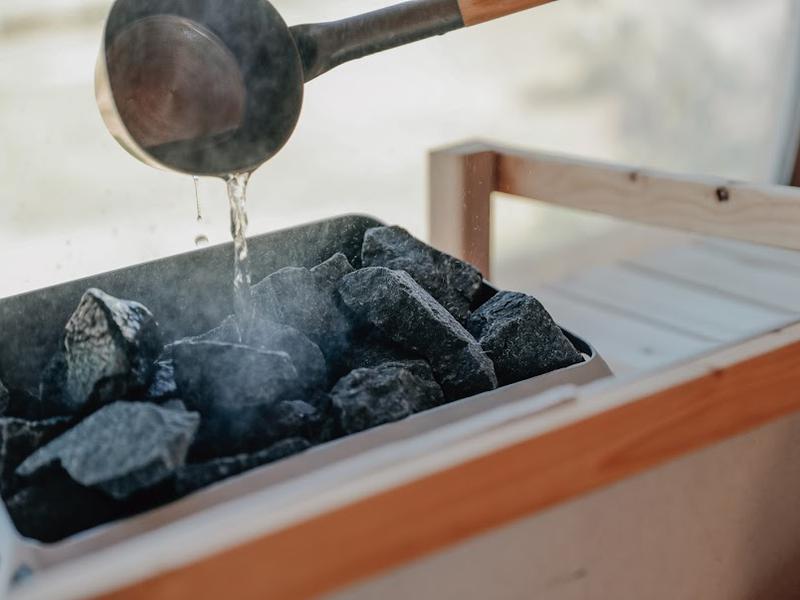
column 215, row 87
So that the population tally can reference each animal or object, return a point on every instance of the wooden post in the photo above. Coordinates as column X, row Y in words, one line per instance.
column 462, row 180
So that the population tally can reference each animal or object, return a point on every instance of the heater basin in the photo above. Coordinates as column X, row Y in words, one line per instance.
column 190, row 294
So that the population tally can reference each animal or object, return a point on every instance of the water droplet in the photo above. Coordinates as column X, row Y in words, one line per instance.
column 197, row 198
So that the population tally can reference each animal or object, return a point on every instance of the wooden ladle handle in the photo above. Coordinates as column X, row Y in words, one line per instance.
column 480, row 11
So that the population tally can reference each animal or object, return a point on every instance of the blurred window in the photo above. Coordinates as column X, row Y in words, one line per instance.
column 703, row 86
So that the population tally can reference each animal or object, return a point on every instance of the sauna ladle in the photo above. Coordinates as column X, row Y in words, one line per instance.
column 213, row 87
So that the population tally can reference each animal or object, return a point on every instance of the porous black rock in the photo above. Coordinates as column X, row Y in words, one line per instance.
column 193, row 477
column 263, row 334
column 234, row 388
column 332, row 270
column 121, row 449
column 369, row 397
column 5, row 398
column 175, row 404
column 26, row 405
column 55, row 508
column 312, row 369
column 307, row 301
column 108, row 351
column 19, row 439
column 368, row 349
column 162, row 385
column 403, row 312
column 452, row 282
column 520, row 337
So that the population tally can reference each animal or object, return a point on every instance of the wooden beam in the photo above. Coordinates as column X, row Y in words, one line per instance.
column 608, row 434
column 763, row 214
column 462, row 180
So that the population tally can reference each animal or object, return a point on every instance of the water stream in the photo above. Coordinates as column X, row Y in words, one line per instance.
column 242, row 298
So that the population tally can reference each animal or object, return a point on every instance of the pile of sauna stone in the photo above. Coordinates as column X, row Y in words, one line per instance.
column 124, row 421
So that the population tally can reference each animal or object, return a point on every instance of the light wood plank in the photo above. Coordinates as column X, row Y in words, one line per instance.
column 765, row 214
column 725, row 273
column 689, row 310
column 627, row 344
column 757, row 255
column 718, row 524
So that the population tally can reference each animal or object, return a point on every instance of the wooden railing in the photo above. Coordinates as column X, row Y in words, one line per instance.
column 464, row 177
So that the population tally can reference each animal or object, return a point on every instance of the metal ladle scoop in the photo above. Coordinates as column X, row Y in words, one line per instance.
column 213, row 87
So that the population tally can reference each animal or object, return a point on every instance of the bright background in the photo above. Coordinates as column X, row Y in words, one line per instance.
column 702, row 86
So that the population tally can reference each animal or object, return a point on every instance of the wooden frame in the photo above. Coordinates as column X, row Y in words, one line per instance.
column 595, row 436
column 464, row 177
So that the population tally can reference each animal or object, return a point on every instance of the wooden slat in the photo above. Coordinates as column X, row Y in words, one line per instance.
column 765, row 214
column 600, row 439
column 627, row 344
column 690, row 310
column 718, row 524
column 725, row 273
column 757, row 255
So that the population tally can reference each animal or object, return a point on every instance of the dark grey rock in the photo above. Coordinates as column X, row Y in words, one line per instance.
column 293, row 418
column 5, row 398
column 304, row 300
column 369, row 397
column 57, row 507
column 19, row 439
column 234, row 388
column 27, row 406
column 521, row 338
column 122, row 448
column 162, row 386
column 216, row 375
column 452, row 282
column 228, row 331
column 107, row 352
column 271, row 336
column 332, row 270
column 312, row 370
column 191, row 478
column 401, row 310
column 368, row 350
column 175, row 404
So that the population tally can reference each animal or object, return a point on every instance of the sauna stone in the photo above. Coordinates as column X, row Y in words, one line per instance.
column 19, row 439
column 26, row 406
column 369, row 397
column 394, row 304
column 108, row 350
column 332, row 270
column 57, row 507
column 304, row 300
column 452, row 282
column 190, row 478
column 521, row 338
column 270, row 336
column 5, row 398
column 216, row 375
column 163, row 386
column 234, row 388
column 306, row 356
column 369, row 350
column 122, row 448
